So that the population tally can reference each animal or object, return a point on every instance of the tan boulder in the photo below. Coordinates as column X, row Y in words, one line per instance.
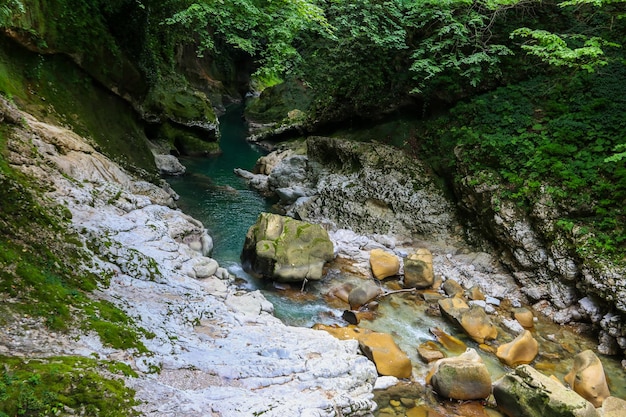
column 380, row 348
column 524, row 317
column 473, row 320
column 587, row 378
column 418, row 269
column 613, row 407
column 520, row 351
column 464, row 377
column 384, row 264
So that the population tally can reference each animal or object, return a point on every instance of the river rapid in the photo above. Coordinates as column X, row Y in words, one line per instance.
column 213, row 194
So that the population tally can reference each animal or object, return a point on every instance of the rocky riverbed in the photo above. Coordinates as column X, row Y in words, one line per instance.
column 213, row 349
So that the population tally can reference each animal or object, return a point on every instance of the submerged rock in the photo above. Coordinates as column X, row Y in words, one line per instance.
column 285, row 249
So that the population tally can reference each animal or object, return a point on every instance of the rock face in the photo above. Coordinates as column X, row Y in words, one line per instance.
column 216, row 350
column 542, row 254
column 464, row 377
column 587, row 378
column 285, row 249
column 528, row 393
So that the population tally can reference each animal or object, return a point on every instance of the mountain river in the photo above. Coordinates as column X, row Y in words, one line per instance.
column 212, row 193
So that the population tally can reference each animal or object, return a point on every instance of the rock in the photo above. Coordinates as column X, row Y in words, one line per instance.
column 285, row 249
column 527, row 393
column 383, row 263
column 472, row 319
column 475, row 293
column 206, row 268
column 449, row 342
column 464, row 377
column 429, row 352
column 525, row 317
column 169, row 165
column 587, row 378
column 613, row 407
column 363, row 294
column 451, row 287
column 380, row 348
column 418, row 269
column 520, row 351
column 384, row 382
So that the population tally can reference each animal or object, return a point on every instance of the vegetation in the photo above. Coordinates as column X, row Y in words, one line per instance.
column 523, row 92
column 63, row 386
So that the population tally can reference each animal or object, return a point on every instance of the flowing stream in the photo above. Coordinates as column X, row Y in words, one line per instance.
column 212, row 193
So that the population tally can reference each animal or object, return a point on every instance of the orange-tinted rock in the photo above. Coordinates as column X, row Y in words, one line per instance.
column 380, row 348
column 429, row 352
column 520, row 351
column 384, row 264
column 587, row 378
column 524, row 317
column 472, row 319
column 449, row 342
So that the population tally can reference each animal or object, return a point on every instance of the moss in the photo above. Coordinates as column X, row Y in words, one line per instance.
column 40, row 263
column 51, row 386
column 55, row 90
column 187, row 141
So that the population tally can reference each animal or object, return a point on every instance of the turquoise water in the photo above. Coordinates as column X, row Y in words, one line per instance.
column 213, row 194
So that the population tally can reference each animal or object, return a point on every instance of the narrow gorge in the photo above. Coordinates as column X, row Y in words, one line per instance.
column 304, row 208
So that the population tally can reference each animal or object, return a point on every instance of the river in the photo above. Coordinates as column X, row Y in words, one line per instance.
column 212, row 193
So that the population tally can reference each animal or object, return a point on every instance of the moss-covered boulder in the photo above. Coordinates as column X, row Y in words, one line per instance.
column 526, row 392
column 286, row 250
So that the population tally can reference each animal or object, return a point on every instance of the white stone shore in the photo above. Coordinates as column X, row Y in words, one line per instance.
column 217, row 351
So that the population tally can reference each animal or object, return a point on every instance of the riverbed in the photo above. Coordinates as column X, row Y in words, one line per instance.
column 212, row 193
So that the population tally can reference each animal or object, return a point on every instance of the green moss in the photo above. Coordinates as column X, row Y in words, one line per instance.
column 187, row 141
column 55, row 90
column 40, row 263
column 42, row 387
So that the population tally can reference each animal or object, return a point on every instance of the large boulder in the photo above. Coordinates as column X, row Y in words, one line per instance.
column 286, row 250
column 520, row 351
column 587, row 378
column 418, row 269
column 464, row 377
column 526, row 392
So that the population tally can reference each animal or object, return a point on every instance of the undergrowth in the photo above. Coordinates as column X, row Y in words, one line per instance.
column 64, row 386
column 548, row 136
